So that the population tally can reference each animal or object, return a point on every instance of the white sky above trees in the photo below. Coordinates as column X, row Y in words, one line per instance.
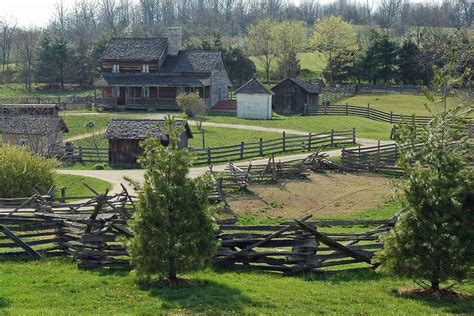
column 38, row 12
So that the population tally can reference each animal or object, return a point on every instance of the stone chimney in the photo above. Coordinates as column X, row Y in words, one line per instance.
column 175, row 40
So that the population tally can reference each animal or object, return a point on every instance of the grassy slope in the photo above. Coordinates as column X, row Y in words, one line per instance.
column 310, row 60
column 16, row 90
column 397, row 103
column 74, row 185
column 56, row 286
column 364, row 127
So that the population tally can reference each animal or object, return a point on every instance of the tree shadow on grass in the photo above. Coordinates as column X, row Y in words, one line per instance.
column 4, row 303
column 342, row 276
column 464, row 305
column 203, row 296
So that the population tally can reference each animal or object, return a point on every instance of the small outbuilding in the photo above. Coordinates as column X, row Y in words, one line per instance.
column 125, row 135
column 295, row 96
column 254, row 100
column 41, row 134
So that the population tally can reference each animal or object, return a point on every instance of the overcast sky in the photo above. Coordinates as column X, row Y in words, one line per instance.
column 39, row 12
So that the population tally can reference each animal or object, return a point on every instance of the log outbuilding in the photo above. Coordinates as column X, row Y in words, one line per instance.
column 125, row 135
column 295, row 96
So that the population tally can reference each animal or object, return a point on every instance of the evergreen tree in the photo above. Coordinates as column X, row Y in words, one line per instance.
column 173, row 232
column 413, row 67
column 386, row 58
column 52, row 58
column 434, row 234
column 288, row 65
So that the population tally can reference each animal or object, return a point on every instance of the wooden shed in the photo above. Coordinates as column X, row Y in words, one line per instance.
column 37, row 127
column 295, row 96
column 125, row 135
column 254, row 100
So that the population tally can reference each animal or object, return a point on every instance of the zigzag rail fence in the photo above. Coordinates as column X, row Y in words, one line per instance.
column 93, row 231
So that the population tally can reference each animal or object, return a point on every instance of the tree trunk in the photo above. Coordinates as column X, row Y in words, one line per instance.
column 172, row 269
column 435, row 284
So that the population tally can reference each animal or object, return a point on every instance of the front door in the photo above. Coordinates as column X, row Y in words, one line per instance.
column 122, row 96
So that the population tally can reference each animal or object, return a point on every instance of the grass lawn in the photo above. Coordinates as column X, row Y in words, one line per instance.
column 17, row 90
column 57, row 286
column 364, row 127
column 397, row 103
column 77, row 123
column 74, row 185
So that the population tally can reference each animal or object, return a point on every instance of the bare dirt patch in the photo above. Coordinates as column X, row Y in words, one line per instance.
column 321, row 195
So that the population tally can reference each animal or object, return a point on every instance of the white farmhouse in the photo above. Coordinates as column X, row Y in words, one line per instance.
column 254, row 100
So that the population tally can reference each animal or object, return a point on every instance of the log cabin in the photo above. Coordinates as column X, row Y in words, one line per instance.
column 148, row 73
column 295, row 96
column 125, row 135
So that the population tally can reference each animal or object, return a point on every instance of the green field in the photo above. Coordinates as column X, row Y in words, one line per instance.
column 17, row 90
column 75, row 187
column 364, row 127
column 397, row 103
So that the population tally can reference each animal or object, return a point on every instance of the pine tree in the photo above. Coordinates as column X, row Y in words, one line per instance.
column 173, row 232
column 434, row 235
column 413, row 67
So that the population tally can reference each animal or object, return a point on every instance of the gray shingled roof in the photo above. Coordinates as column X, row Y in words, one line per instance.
column 308, row 87
column 145, row 49
column 31, row 124
column 191, row 61
column 151, row 79
column 139, row 129
column 253, row 86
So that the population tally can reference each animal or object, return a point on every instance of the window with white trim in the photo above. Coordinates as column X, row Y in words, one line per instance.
column 115, row 68
column 146, row 68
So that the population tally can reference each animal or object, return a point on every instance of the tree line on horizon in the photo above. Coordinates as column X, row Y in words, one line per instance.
column 77, row 35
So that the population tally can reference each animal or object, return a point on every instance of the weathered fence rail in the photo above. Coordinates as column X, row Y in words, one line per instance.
column 370, row 113
column 380, row 158
column 94, row 232
column 244, row 150
column 60, row 100
column 287, row 143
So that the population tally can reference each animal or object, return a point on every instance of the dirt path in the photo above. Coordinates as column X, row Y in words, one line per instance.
column 115, row 177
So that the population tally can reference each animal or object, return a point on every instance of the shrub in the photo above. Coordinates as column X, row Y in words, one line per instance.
column 21, row 172
column 173, row 232
column 191, row 104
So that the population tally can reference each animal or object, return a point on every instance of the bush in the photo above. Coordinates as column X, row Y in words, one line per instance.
column 21, row 172
column 99, row 166
column 191, row 104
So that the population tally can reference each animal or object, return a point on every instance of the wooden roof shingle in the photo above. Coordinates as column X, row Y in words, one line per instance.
column 139, row 129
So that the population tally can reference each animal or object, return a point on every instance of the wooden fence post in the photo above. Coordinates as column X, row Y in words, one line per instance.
column 310, row 138
column 360, row 160
column 242, row 150
column 332, row 137
column 80, row 153
column 353, row 135
column 63, row 195
column 209, row 157
column 284, row 141
column 261, row 146
column 368, row 110
column 347, row 109
column 391, row 117
column 378, row 156
column 203, row 139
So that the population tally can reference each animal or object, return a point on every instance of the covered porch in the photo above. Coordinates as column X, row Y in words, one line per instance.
column 148, row 91
column 147, row 97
